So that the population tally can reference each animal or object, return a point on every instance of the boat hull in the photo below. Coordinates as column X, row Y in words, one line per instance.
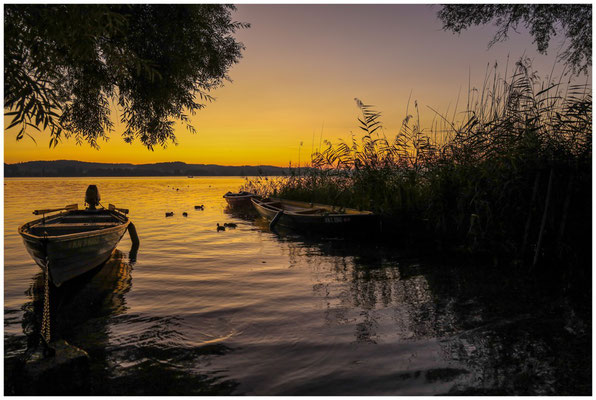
column 74, row 254
column 329, row 222
column 237, row 201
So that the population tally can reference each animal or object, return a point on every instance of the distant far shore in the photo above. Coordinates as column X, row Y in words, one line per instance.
column 68, row 168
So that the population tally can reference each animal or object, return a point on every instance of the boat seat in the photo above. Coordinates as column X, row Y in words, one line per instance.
column 312, row 211
column 271, row 203
column 83, row 220
column 79, row 225
column 98, row 216
column 67, row 228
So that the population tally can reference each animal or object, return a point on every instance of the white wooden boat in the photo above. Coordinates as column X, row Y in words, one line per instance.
column 74, row 241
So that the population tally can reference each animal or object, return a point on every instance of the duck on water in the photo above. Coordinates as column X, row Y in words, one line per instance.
column 75, row 241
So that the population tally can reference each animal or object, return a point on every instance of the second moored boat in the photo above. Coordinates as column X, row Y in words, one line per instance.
column 313, row 217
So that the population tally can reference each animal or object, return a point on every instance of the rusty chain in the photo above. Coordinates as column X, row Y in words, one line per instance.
column 45, row 323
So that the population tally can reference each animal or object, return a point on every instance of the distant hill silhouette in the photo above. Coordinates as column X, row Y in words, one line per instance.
column 66, row 168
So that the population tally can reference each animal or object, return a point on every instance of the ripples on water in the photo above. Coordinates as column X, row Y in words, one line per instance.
column 247, row 311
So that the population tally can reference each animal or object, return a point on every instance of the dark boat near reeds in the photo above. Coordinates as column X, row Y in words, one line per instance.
column 240, row 199
column 75, row 241
column 317, row 218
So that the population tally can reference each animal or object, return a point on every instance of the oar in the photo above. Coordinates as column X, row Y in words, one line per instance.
column 112, row 207
column 69, row 207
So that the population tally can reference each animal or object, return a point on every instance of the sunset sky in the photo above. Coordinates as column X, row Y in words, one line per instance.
column 302, row 68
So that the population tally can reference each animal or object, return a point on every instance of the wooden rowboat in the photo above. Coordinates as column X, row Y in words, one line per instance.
column 312, row 217
column 74, row 241
column 241, row 199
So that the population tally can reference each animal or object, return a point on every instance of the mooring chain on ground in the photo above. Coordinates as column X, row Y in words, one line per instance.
column 45, row 323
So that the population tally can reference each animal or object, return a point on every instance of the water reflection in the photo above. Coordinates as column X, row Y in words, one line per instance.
column 93, row 296
column 84, row 311
column 247, row 311
column 245, row 213
column 494, row 334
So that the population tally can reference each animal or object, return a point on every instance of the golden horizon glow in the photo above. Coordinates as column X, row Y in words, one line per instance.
column 302, row 68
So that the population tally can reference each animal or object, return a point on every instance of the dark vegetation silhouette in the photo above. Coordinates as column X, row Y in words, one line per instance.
column 79, row 168
column 512, row 179
column 67, row 65
column 542, row 21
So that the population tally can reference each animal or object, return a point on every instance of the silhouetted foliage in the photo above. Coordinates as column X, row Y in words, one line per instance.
column 80, row 168
column 541, row 19
column 65, row 66
column 511, row 178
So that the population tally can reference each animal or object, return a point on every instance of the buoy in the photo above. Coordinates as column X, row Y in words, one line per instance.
column 134, row 238
column 132, row 232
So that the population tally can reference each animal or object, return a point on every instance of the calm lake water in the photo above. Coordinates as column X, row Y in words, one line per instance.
column 247, row 311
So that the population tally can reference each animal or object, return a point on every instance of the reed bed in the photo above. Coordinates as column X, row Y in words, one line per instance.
column 509, row 175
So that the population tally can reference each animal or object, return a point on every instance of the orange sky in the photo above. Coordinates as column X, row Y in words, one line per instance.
column 302, row 68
